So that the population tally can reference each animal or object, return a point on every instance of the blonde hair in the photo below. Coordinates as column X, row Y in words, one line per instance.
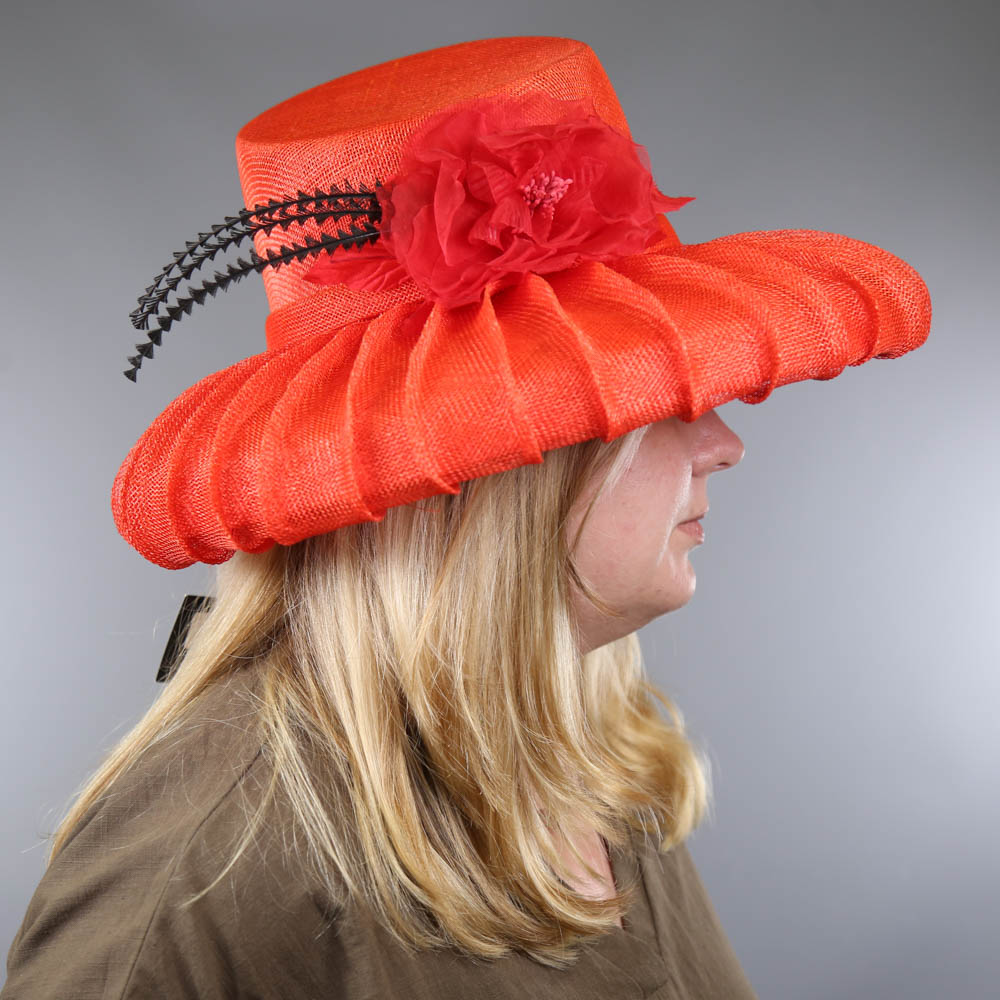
column 428, row 716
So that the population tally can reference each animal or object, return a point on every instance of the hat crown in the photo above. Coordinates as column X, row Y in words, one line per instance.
column 353, row 128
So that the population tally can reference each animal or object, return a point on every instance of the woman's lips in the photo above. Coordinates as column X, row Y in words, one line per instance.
column 693, row 527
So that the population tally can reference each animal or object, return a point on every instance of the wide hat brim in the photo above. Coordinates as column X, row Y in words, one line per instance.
column 337, row 427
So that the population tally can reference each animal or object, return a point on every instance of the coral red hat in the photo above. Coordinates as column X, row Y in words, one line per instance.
column 468, row 263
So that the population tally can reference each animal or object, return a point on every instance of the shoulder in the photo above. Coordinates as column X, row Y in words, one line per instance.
column 110, row 917
column 692, row 937
column 676, row 886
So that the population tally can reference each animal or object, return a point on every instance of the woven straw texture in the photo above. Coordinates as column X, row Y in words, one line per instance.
column 363, row 401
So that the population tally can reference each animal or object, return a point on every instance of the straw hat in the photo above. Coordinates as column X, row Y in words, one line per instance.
column 468, row 263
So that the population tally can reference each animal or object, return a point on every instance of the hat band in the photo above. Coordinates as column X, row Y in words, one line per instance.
column 329, row 308
column 335, row 306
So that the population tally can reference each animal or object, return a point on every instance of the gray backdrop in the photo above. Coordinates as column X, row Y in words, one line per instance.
column 836, row 659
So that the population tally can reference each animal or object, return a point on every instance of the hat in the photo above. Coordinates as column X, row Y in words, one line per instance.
column 467, row 264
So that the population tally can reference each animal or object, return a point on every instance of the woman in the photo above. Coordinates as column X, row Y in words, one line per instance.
column 411, row 749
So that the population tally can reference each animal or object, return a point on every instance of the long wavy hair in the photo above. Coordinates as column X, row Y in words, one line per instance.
column 427, row 668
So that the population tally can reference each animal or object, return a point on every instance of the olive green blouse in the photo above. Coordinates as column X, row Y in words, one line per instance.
column 104, row 921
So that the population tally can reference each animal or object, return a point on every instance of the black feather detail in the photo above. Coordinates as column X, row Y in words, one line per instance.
column 317, row 207
column 360, row 208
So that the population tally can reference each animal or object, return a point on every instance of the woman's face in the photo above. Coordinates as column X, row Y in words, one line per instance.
column 632, row 551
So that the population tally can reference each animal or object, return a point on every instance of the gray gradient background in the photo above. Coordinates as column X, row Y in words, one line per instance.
column 839, row 660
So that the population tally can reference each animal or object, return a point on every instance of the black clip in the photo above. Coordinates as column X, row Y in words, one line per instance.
column 190, row 606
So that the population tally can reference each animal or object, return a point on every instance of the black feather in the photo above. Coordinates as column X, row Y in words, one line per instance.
column 360, row 208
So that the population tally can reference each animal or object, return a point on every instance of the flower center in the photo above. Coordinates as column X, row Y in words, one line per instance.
column 544, row 190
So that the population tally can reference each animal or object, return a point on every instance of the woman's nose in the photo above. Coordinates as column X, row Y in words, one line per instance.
column 721, row 446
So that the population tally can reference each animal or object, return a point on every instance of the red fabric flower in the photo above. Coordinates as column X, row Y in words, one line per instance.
column 492, row 189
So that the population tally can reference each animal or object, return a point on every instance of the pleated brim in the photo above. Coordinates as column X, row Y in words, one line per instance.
column 338, row 427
